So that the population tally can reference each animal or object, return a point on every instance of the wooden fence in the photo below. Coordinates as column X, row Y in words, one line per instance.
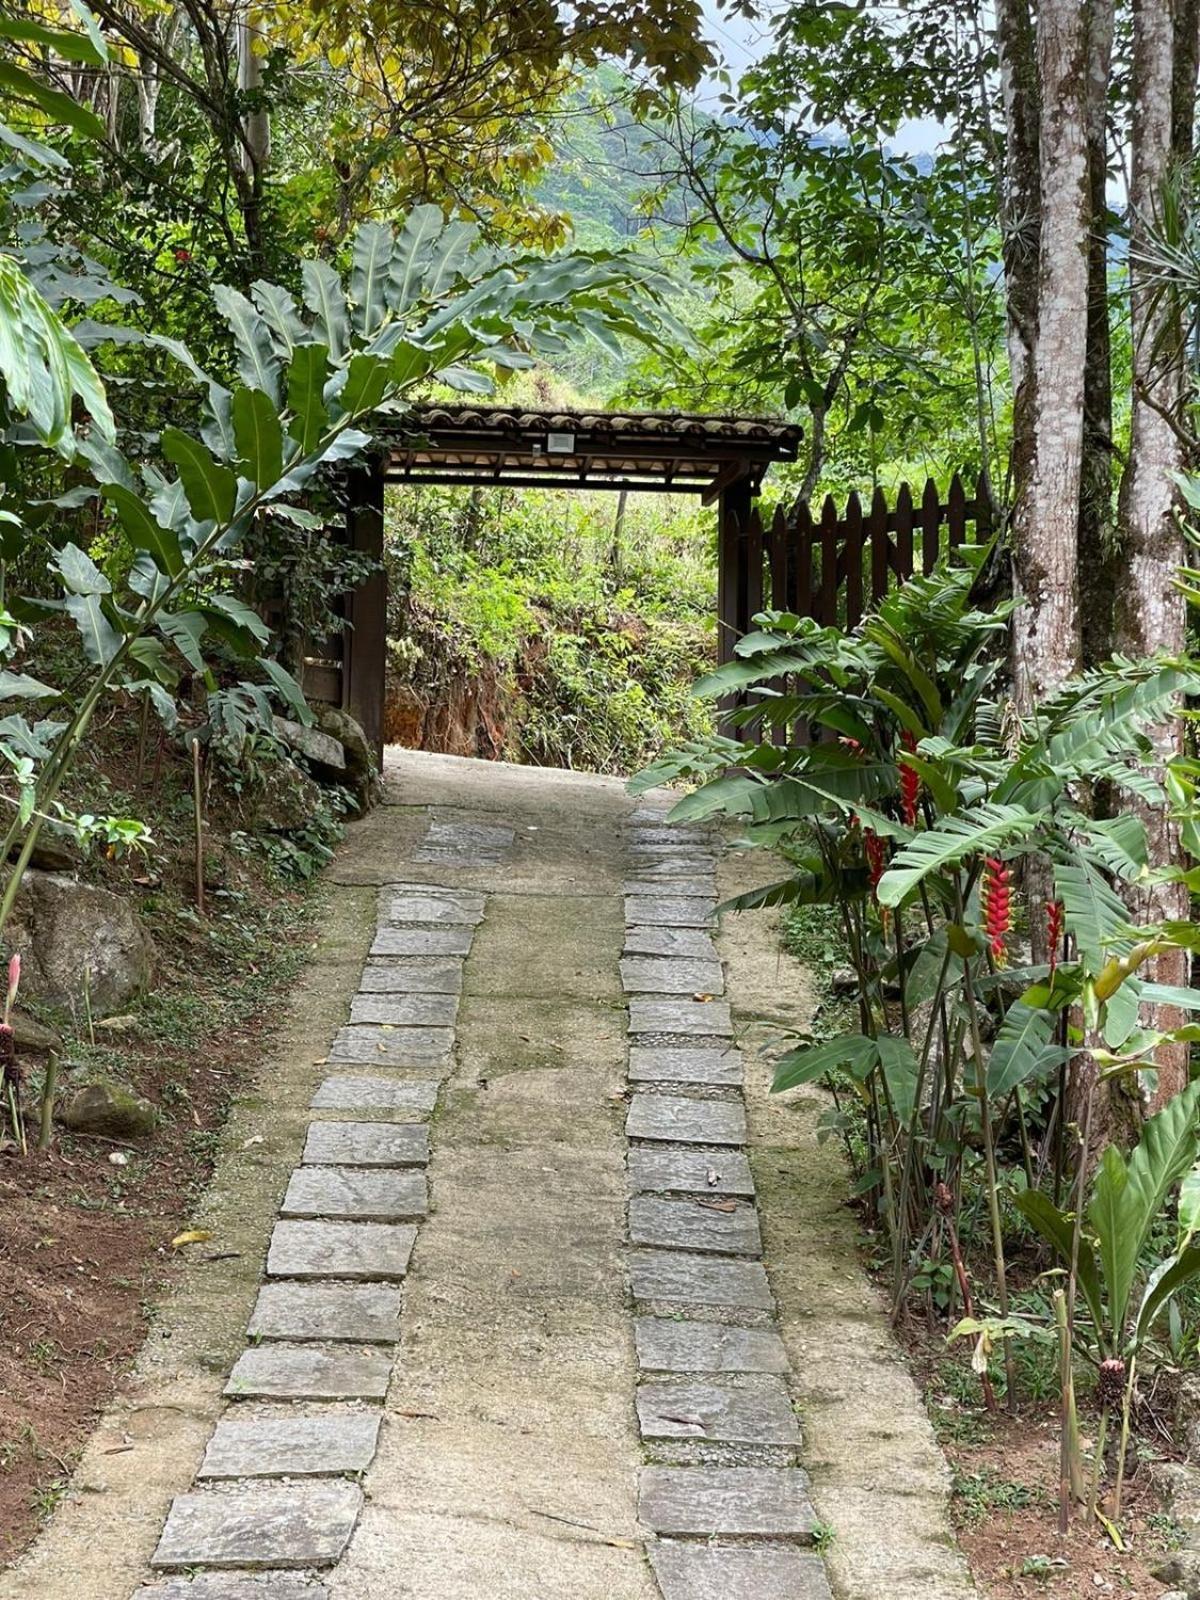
column 835, row 566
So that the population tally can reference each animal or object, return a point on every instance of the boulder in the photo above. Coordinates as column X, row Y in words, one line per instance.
column 1181, row 1569
column 361, row 775
column 285, row 800
column 109, row 1109
column 76, row 938
column 31, row 1035
column 323, row 752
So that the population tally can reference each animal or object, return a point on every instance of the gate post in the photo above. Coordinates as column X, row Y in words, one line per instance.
column 739, row 580
column 365, row 645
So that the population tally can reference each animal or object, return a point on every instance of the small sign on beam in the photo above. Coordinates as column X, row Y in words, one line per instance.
column 560, row 444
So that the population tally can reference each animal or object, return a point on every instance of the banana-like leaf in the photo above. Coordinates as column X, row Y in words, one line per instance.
column 787, row 892
column 257, row 363
column 1057, row 1228
column 239, row 613
column 1094, row 912
column 281, row 315
column 288, row 690
column 42, row 365
column 19, row 686
column 79, row 572
column 372, row 258
column 977, row 831
column 366, row 384
column 211, row 489
column 852, row 1052
column 1129, row 1193
column 1021, row 1049
column 59, row 107
column 324, row 297
column 185, row 630
column 258, row 435
column 410, row 262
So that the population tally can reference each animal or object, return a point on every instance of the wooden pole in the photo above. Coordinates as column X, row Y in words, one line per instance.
column 198, row 804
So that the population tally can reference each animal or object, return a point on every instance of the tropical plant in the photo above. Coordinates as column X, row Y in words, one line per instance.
column 913, row 799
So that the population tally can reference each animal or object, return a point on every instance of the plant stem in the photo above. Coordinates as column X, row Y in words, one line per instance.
column 1126, row 1409
column 49, row 1088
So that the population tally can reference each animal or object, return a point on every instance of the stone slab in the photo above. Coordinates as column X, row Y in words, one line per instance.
column 366, row 1144
column 704, row 1225
column 650, row 884
column 709, row 1018
column 422, row 942
column 236, row 1586
column 681, row 1064
column 442, row 891
column 355, row 1313
column 310, row 1372
column 304, row 1525
column 689, row 1172
column 405, row 1010
column 695, row 1571
column 692, row 943
column 375, row 1045
column 677, row 1119
column 328, row 1446
column 343, row 1092
column 415, row 905
column 695, row 1280
column 465, row 844
column 358, row 1194
column 370, row 1251
column 767, row 1501
column 664, row 1344
column 720, row 1413
column 667, row 975
column 668, row 911
column 412, row 975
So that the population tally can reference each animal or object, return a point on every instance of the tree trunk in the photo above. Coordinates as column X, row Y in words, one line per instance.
column 1150, row 611
column 1097, row 564
column 1048, row 457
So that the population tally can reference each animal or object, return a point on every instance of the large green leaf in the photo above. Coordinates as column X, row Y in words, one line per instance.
column 372, row 257
column 412, row 255
column 19, row 686
column 1163, row 1284
column 1094, row 913
column 79, row 572
column 42, row 365
column 324, row 297
column 143, row 531
column 1129, row 1194
column 257, row 362
column 977, row 831
column 306, row 400
column 23, row 86
column 366, row 384
column 1057, row 1228
column 852, row 1052
column 101, row 641
column 281, row 315
column 259, row 436
column 71, row 46
column 1021, row 1049
column 211, row 489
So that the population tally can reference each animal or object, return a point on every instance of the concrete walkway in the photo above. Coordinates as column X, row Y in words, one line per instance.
column 509, row 1333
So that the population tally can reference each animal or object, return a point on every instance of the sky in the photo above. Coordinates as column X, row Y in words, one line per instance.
column 741, row 41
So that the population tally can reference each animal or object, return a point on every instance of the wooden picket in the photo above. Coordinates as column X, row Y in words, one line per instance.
column 835, row 566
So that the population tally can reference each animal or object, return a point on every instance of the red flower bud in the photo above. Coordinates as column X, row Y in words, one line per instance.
column 910, row 782
column 995, row 901
column 1054, row 932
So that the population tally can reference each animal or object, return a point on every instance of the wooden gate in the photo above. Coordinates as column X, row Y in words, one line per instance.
column 835, row 566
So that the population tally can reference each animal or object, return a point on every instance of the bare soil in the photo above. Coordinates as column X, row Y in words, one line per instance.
column 86, row 1226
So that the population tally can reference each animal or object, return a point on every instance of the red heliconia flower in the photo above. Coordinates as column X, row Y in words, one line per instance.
column 995, row 901
column 876, row 857
column 183, row 256
column 1054, row 932
column 855, row 746
column 910, row 782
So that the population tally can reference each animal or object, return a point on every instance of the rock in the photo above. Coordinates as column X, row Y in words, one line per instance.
column 123, row 1024
column 109, row 1109
column 361, row 774
column 1182, row 1569
column 31, row 1035
column 1187, row 1414
column 52, row 853
column 65, row 930
column 286, row 799
column 321, row 750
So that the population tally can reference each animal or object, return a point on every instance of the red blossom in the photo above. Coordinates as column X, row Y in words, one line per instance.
column 910, row 782
column 1054, row 931
column 876, row 857
column 183, row 256
column 995, row 901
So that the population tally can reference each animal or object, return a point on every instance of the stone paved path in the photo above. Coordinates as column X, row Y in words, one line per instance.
column 285, row 1503
column 515, row 1338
